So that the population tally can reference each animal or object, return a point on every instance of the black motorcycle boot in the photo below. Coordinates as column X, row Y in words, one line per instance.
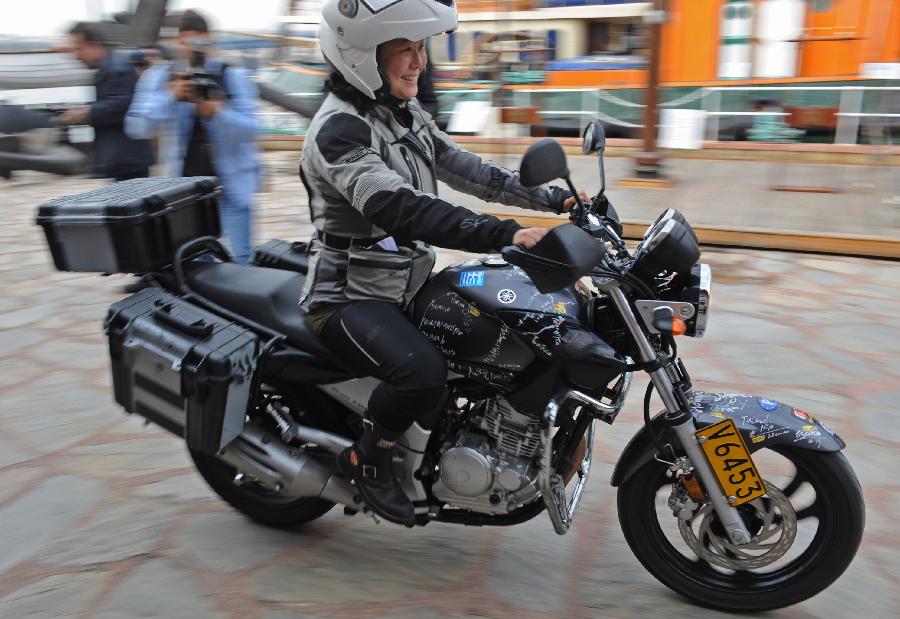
column 367, row 463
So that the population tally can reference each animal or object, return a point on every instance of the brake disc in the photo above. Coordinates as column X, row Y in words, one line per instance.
column 773, row 534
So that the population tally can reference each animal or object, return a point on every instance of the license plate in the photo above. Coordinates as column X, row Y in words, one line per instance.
column 731, row 462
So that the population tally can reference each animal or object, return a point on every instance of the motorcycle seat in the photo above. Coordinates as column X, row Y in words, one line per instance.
column 266, row 296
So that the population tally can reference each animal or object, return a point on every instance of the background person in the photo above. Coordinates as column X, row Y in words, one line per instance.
column 208, row 113
column 116, row 155
column 371, row 161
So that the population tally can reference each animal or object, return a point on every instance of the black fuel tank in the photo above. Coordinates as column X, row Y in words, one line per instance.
column 468, row 308
column 494, row 286
column 488, row 313
column 468, row 336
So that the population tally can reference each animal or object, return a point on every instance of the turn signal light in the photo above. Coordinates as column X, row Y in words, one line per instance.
column 665, row 321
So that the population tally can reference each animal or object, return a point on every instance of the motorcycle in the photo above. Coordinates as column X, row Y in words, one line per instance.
column 737, row 502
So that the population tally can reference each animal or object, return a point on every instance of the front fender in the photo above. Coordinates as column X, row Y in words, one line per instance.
column 762, row 422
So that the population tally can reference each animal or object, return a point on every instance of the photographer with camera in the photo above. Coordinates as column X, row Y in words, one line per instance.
column 206, row 112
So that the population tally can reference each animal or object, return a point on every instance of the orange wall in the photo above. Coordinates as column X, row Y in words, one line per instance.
column 606, row 78
column 690, row 40
column 494, row 6
column 892, row 37
column 882, row 43
column 861, row 31
column 846, row 23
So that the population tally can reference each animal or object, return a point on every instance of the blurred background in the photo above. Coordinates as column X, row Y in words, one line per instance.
column 779, row 83
column 827, row 65
column 773, row 125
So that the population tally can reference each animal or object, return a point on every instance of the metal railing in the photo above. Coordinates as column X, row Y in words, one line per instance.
column 850, row 102
column 849, row 107
column 609, row 106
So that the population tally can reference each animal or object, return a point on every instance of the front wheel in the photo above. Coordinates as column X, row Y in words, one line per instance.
column 807, row 530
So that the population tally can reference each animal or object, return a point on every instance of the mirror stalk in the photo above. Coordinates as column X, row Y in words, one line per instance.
column 602, row 175
column 578, row 203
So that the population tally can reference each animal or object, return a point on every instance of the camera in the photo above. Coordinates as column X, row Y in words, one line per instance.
column 208, row 85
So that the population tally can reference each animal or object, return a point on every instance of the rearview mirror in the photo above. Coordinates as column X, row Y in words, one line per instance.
column 593, row 140
column 543, row 162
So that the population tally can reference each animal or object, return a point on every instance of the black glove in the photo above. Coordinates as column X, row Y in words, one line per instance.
column 558, row 197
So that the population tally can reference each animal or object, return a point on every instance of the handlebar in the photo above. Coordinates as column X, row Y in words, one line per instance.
column 594, row 219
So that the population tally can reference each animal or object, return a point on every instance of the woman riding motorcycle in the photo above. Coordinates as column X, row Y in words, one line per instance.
column 370, row 163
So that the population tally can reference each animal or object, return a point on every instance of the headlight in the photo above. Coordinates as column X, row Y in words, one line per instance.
column 664, row 218
column 669, row 247
column 696, row 292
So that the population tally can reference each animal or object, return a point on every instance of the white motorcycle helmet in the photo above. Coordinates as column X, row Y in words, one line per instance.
column 352, row 30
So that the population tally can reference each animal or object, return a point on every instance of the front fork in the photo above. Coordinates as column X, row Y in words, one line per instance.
column 682, row 423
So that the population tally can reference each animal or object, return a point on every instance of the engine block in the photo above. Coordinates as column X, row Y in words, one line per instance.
column 491, row 468
column 516, row 434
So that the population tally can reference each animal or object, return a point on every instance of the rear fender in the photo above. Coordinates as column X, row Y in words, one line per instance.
column 762, row 422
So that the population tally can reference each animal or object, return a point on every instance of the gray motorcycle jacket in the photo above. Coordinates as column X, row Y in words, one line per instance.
column 370, row 176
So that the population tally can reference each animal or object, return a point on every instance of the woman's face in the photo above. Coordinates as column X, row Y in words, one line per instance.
column 403, row 61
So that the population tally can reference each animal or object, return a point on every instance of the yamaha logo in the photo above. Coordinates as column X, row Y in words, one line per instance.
column 506, row 296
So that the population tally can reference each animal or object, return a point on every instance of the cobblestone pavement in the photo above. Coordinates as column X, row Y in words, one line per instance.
column 102, row 517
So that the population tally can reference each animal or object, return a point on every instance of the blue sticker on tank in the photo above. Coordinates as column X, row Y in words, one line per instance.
column 767, row 405
column 469, row 279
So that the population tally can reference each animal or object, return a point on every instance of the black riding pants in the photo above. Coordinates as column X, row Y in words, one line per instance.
column 375, row 338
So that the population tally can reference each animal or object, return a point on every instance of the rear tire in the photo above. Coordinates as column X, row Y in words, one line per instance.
column 254, row 501
column 839, row 514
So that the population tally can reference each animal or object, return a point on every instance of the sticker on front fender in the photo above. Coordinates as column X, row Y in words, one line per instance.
column 761, row 428
column 764, row 422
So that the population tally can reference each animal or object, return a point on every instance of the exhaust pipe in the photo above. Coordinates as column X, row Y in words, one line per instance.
column 258, row 454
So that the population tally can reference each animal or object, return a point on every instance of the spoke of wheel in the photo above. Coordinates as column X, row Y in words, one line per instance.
column 771, row 520
column 794, row 484
column 808, row 512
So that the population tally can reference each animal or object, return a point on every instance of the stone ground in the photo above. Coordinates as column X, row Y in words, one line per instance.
column 102, row 517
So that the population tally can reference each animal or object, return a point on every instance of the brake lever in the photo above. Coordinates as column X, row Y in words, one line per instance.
column 578, row 214
column 597, row 227
column 600, row 207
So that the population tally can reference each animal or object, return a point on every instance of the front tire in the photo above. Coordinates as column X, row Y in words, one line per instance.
column 254, row 501
column 837, row 509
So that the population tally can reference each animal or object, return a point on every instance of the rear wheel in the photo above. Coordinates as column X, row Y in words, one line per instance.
column 807, row 530
column 258, row 503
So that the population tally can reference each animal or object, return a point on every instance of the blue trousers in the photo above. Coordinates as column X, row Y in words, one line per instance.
column 236, row 216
